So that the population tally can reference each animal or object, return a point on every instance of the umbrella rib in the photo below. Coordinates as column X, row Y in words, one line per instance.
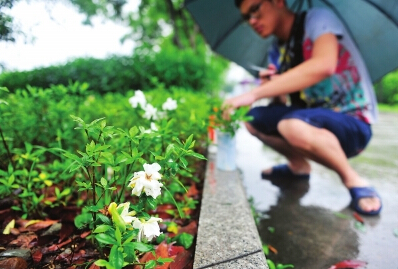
column 226, row 34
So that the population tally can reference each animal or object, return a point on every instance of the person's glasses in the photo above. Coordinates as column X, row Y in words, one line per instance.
column 253, row 12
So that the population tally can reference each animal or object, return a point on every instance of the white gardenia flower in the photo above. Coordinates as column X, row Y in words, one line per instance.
column 150, row 112
column 126, row 215
column 147, row 181
column 138, row 99
column 170, row 104
column 149, row 228
column 154, row 127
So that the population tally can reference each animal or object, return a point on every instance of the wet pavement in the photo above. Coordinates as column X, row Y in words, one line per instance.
column 304, row 220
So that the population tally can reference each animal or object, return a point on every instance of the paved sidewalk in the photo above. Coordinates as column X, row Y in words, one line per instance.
column 309, row 231
column 227, row 235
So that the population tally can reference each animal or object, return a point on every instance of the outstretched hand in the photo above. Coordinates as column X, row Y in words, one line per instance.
column 230, row 104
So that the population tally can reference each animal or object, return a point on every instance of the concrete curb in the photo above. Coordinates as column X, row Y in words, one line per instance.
column 227, row 234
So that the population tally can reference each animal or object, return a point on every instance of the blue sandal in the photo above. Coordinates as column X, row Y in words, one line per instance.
column 358, row 193
column 283, row 172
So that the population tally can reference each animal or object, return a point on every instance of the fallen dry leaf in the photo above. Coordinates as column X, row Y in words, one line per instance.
column 181, row 260
column 348, row 264
column 272, row 249
column 37, row 255
column 23, row 240
column 14, row 263
column 358, row 217
column 9, row 226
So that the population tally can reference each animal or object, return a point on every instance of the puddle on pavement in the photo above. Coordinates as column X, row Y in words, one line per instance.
column 307, row 231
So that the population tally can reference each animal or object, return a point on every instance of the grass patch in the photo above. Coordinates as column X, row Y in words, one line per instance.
column 388, row 108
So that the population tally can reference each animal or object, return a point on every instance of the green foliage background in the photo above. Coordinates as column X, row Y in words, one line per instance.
column 145, row 69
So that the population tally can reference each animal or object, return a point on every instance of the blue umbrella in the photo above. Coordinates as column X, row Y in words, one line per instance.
column 373, row 24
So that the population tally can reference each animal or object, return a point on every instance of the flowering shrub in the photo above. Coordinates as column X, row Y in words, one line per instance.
column 121, row 175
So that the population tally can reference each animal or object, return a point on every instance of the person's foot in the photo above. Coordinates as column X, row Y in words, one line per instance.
column 365, row 199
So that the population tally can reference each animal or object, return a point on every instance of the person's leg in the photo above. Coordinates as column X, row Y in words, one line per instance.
column 296, row 161
column 321, row 145
column 264, row 127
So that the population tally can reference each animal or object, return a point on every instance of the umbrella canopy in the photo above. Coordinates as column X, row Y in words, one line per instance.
column 373, row 24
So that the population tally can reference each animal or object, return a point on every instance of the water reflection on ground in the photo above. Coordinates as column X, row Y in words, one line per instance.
column 309, row 230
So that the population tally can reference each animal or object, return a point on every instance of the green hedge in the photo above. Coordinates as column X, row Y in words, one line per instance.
column 387, row 89
column 41, row 117
column 169, row 67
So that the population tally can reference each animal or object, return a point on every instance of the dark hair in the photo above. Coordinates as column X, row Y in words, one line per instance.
column 238, row 3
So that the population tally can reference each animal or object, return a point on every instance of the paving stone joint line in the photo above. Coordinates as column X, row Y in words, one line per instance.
column 230, row 260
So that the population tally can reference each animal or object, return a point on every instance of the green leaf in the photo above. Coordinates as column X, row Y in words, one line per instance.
column 141, row 246
column 271, row 264
column 184, row 162
column 104, row 219
column 104, row 263
column 118, row 236
column 341, row 215
column 151, row 264
column 106, row 239
column 160, row 238
column 265, row 250
column 130, row 253
column 184, row 239
column 199, row 156
column 116, row 257
column 360, row 226
column 104, row 182
column 162, row 260
column 102, row 229
column 282, row 266
column 151, row 202
column 83, row 220
column 395, row 232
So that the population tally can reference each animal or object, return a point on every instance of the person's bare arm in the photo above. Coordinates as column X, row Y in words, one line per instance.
column 321, row 65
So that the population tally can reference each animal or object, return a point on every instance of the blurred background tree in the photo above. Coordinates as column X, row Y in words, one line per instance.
column 150, row 24
column 169, row 50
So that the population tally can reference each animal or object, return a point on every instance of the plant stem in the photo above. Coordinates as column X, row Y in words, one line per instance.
column 91, row 177
column 7, row 148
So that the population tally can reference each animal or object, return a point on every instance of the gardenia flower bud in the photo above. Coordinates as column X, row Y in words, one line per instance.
column 149, row 228
column 138, row 98
column 170, row 104
column 126, row 215
column 147, row 181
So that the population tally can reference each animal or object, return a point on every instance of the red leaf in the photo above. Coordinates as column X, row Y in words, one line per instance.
column 162, row 250
column 358, row 217
column 23, row 240
column 191, row 228
column 85, row 234
column 272, row 249
column 37, row 256
column 66, row 230
column 175, row 250
column 348, row 264
column 192, row 191
column 182, row 260
column 15, row 263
